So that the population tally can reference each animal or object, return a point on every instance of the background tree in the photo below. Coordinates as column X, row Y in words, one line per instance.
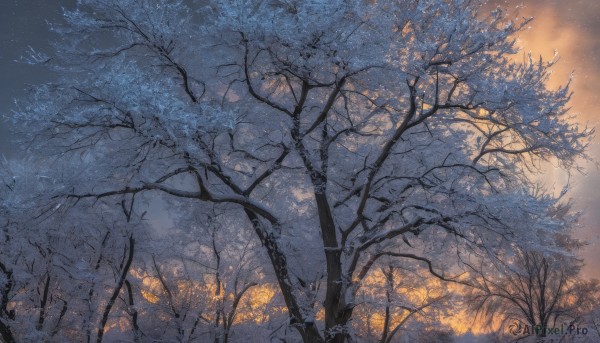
column 534, row 289
column 196, row 280
column 591, row 308
column 342, row 131
column 63, row 269
column 397, row 302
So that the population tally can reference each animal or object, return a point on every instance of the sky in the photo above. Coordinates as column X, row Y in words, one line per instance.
column 571, row 27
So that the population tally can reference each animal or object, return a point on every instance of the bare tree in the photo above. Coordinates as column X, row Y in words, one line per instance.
column 342, row 131
column 396, row 299
column 196, row 292
column 57, row 265
column 540, row 291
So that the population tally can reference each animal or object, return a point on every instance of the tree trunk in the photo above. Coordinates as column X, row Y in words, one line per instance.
column 6, row 333
column 42, row 317
column 116, row 291
column 336, row 312
column 309, row 334
column 133, row 312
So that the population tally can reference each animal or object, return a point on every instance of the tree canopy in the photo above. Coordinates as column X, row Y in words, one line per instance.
column 347, row 135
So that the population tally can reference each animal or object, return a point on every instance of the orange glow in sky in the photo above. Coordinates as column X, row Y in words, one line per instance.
column 571, row 29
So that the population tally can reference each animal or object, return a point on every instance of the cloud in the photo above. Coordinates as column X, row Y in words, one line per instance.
column 572, row 29
column 555, row 28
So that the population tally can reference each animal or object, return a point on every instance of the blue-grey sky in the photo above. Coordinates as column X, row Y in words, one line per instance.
column 23, row 23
